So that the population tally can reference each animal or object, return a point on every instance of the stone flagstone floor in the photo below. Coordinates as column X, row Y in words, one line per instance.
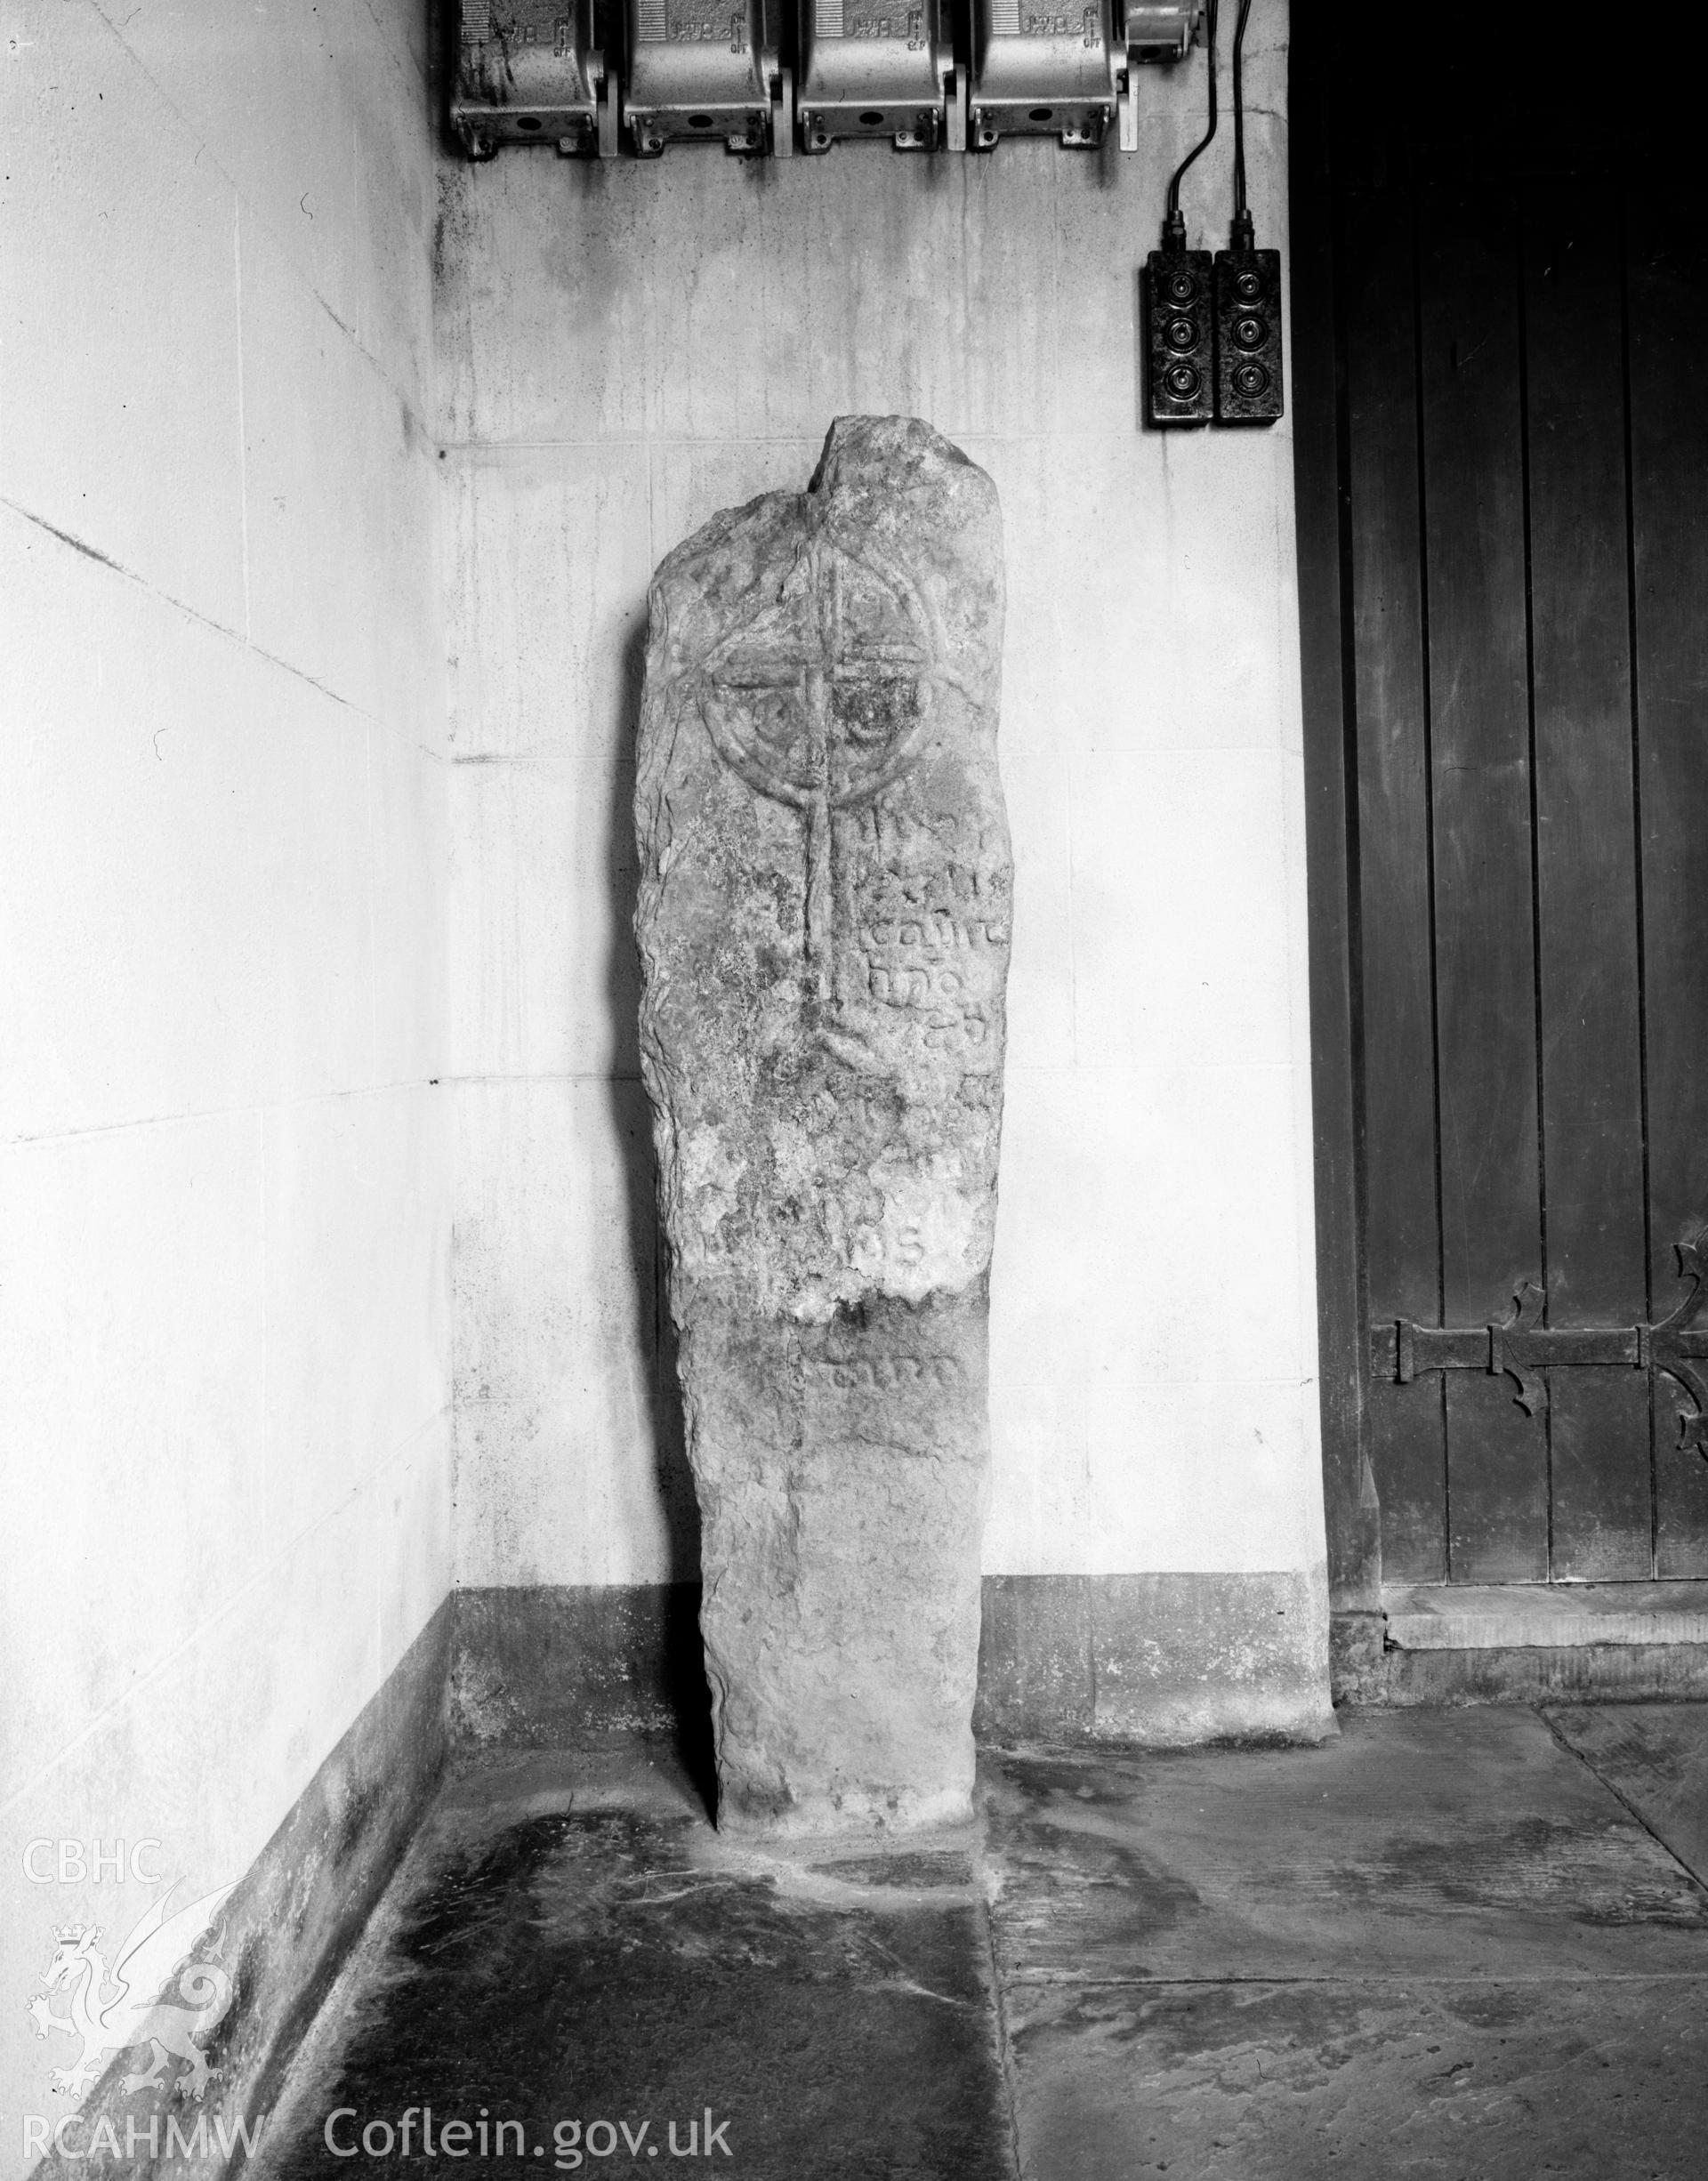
column 1451, row 1944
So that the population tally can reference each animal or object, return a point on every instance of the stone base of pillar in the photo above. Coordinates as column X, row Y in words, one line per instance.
column 842, row 1472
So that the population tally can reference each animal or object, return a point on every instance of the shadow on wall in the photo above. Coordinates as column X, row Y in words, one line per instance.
column 631, row 1116
column 661, row 1672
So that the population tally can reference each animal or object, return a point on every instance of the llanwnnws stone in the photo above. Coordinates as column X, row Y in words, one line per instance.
column 824, row 930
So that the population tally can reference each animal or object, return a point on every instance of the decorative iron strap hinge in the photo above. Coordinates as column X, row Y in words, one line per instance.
column 1522, row 1347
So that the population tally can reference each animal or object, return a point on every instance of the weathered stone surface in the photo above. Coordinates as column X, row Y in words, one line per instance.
column 824, row 930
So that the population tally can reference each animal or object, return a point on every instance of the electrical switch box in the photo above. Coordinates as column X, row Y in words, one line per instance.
column 704, row 71
column 877, row 68
column 1248, row 336
column 526, row 72
column 1180, row 344
column 1042, row 68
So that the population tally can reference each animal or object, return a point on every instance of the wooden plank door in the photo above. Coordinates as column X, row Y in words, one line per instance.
column 1521, row 411
column 1667, row 363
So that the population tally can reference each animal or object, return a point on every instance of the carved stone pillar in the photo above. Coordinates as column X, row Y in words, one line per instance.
column 824, row 929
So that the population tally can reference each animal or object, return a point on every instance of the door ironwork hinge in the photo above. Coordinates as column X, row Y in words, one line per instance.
column 1521, row 1347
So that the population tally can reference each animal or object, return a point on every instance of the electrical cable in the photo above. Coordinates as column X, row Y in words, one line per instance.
column 1241, row 217
column 1249, row 373
column 1239, row 111
column 1174, row 226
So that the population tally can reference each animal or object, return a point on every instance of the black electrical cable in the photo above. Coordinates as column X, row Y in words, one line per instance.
column 1242, row 218
column 1174, row 226
column 1239, row 112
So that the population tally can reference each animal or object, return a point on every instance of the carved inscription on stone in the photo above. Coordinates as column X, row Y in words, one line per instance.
column 823, row 922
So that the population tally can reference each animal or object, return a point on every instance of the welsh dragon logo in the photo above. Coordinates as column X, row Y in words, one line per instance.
column 156, row 1994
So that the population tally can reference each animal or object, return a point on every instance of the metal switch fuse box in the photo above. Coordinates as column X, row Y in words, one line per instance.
column 1042, row 68
column 877, row 68
column 704, row 71
column 526, row 72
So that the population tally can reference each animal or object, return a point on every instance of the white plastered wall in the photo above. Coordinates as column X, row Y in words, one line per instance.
column 626, row 348
column 224, row 1160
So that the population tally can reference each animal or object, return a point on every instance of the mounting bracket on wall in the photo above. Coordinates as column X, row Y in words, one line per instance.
column 724, row 86
column 878, row 70
column 1067, row 71
column 1521, row 1347
column 527, row 73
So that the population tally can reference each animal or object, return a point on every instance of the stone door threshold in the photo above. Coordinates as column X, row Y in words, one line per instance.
column 1541, row 1616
